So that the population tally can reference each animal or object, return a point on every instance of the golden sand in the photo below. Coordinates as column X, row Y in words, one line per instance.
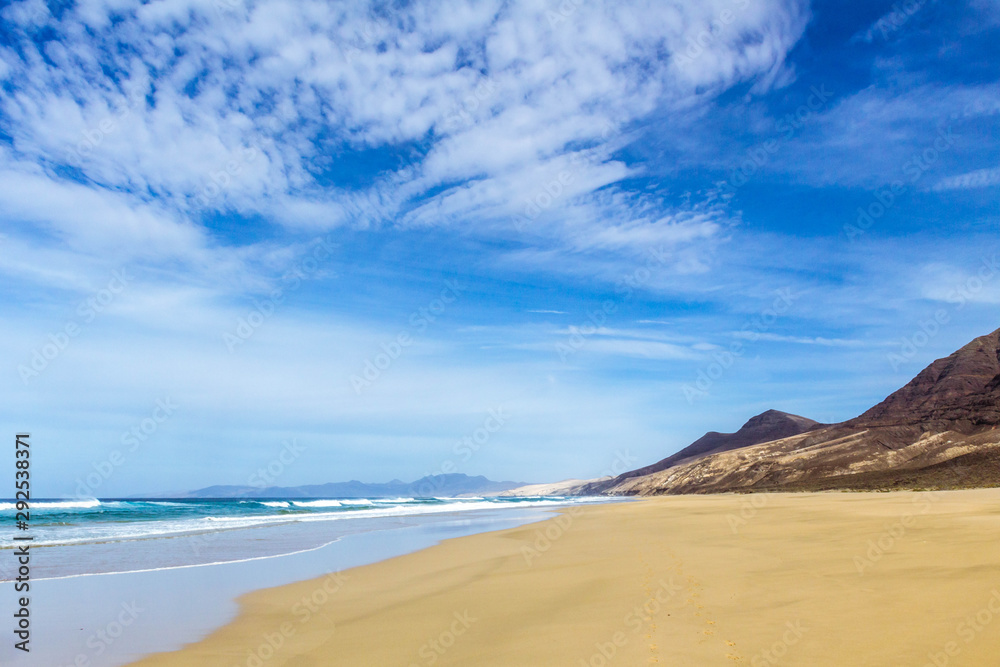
column 787, row 579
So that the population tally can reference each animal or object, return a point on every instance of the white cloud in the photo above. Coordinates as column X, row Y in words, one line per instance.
column 977, row 282
column 89, row 219
column 981, row 178
column 125, row 133
column 641, row 349
column 244, row 107
column 871, row 137
column 799, row 340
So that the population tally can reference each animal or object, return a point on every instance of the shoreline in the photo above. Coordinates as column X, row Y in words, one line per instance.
column 168, row 568
column 79, row 618
column 110, row 537
column 693, row 580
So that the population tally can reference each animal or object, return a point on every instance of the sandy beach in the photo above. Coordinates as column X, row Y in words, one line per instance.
column 784, row 579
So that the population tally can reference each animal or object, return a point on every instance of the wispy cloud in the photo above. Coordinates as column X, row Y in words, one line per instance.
column 981, row 178
column 257, row 106
column 556, row 159
column 799, row 340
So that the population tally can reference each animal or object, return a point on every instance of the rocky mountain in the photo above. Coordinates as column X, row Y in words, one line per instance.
column 767, row 426
column 960, row 391
column 938, row 431
column 445, row 485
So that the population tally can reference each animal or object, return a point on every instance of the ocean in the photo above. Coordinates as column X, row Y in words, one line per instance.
column 92, row 536
column 115, row 579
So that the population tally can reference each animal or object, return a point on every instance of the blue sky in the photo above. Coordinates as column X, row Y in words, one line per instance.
column 363, row 227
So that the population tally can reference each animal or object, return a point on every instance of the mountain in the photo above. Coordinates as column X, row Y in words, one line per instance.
column 962, row 390
column 767, row 426
column 938, row 431
column 449, row 485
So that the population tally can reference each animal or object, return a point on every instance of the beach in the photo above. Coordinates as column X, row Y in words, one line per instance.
column 899, row 578
column 113, row 581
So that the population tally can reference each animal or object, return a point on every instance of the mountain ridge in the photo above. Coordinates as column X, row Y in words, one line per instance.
column 947, row 412
column 768, row 425
column 940, row 430
column 950, row 389
column 445, row 484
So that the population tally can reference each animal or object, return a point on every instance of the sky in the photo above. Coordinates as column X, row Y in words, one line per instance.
column 530, row 240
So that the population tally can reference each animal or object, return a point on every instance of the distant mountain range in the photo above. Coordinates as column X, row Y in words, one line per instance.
column 938, row 431
column 450, row 485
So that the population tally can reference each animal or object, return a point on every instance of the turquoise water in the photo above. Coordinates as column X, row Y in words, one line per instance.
column 78, row 616
column 78, row 537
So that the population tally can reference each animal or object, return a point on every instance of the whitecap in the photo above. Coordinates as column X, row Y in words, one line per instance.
column 316, row 503
column 56, row 504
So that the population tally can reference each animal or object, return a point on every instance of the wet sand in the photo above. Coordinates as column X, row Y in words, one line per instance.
column 783, row 579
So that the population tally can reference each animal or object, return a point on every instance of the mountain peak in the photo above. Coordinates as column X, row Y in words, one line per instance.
column 770, row 419
column 938, row 431
column 768, row 425
column 961, row 388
